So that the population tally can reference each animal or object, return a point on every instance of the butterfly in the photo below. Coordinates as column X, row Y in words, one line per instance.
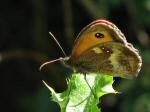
column 102, row 48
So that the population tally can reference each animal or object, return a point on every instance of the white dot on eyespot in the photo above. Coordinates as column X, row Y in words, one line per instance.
column 107, row 51
column 103, row 48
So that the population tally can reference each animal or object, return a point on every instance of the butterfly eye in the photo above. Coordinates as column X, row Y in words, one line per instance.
column 99, row 35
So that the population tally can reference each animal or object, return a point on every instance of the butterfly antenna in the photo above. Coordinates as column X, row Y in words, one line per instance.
column 58, row 43
column 49, row 62
column 52, row 61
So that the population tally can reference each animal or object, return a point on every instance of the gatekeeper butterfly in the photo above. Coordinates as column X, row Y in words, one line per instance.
column 102, row 48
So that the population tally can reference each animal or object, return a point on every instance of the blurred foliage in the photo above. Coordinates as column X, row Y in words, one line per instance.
column 25, row 45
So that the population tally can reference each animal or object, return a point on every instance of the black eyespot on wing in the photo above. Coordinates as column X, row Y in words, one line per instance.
column 99, row 35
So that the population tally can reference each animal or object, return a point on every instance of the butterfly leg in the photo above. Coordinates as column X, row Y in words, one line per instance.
column 89, row 85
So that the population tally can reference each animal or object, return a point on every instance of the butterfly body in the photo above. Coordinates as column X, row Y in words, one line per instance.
column 102, row 48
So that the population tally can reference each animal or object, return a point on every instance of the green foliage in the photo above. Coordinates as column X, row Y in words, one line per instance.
column 79, row 97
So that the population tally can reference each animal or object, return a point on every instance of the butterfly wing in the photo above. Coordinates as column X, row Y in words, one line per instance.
column 109, row 58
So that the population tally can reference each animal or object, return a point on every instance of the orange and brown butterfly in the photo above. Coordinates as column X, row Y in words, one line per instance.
column 102, row 48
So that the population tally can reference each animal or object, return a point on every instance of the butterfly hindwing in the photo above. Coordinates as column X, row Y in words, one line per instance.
column 109, row 58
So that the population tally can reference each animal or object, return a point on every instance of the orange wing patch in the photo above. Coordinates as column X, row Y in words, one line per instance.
column 88, row 42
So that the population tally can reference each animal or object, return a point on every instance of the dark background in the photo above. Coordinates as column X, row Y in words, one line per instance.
column 25, row 44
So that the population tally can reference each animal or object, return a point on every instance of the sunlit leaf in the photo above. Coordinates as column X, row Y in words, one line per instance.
column 79, row 97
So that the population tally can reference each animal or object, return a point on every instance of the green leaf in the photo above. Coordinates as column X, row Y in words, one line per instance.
column 79, row 97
